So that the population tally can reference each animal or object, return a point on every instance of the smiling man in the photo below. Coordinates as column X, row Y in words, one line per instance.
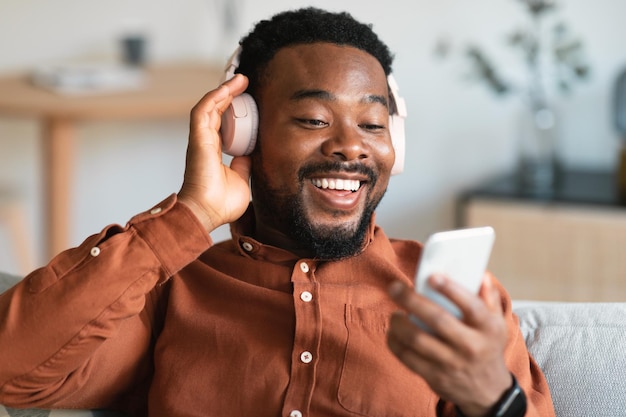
column 296, row 315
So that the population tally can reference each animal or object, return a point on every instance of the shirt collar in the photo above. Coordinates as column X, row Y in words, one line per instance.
column 242, row 231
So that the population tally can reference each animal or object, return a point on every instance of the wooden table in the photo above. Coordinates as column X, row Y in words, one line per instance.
column 170, row 92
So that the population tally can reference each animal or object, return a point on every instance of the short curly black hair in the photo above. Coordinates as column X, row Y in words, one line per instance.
column 305, row 26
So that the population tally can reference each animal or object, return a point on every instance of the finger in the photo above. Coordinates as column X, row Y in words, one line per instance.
column 473, row 310
column 414, row 346
column 206, row 119
column 208, row 111
column 428, row 369
column 407, row 356
column 480, row 321
column 414, row 303
column 437, row 319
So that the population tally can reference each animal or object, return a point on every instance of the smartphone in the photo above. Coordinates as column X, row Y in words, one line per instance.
column 462, row 255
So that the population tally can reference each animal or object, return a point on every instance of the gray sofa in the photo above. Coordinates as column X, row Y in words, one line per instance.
column 581, row 348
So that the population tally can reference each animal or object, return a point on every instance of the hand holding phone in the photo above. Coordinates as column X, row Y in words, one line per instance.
column 461, row 255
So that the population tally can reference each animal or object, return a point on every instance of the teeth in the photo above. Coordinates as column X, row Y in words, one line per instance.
column 336, row 184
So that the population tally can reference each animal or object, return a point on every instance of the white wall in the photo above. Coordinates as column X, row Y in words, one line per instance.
column 458, row 133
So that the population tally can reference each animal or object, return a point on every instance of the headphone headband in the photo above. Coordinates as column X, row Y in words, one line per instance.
column 232, row 64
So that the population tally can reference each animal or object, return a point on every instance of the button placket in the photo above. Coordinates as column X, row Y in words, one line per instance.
column 306, row 340
column 306, row 296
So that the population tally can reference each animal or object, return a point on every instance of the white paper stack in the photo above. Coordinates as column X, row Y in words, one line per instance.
column 88, row 78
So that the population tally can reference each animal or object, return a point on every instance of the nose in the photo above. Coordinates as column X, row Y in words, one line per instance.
column 346, row 143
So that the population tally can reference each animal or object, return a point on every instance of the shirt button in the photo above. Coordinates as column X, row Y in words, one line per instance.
column 247, row 246
column 156, row 210
column 306, row 357
column 295, row 413
column 306, row 296
column 304, row 267
column 95, row 251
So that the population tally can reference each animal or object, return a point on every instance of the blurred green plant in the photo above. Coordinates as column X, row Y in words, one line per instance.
column 568, row 62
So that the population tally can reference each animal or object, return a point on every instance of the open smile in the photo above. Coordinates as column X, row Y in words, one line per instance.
column 335, row 193
column 336, row 184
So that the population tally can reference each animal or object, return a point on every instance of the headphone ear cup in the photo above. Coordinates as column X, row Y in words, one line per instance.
column 240, row 123
column 396, row 131
column 396, row 124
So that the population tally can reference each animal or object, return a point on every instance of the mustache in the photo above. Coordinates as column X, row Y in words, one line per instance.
column 337, row 166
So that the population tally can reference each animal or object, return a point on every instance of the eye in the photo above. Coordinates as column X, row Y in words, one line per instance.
column 313, row 122
column 371, row 126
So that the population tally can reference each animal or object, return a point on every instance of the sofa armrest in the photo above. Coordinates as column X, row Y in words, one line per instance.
column 580, row 348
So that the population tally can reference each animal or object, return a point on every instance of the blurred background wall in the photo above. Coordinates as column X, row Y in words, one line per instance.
column 459, row 133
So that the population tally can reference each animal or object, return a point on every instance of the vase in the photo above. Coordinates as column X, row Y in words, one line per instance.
column 538, row 164
column 621, row 176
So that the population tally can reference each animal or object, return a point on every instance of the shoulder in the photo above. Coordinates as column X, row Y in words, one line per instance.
column 403, row 253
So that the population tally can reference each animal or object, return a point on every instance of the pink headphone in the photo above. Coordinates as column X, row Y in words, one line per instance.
column 241, row 120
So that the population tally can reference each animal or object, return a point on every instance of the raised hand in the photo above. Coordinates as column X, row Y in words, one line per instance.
column 216, row 193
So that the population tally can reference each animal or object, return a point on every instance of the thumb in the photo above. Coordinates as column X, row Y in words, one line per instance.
column 242, row 166
column 490, row 294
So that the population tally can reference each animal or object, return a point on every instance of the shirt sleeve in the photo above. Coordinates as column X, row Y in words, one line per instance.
column 59, row 325
column 521, row 364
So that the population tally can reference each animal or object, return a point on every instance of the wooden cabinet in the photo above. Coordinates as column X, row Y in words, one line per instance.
column 569, row 245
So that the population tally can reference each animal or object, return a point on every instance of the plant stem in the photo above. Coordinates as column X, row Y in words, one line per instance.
column 537, row 95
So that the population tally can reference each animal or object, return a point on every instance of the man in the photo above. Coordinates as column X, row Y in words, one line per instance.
column 295, row 315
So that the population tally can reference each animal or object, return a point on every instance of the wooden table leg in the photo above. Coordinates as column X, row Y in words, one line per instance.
column 58, row 136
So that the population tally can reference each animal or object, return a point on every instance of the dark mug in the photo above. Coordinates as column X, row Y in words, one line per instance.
column 134, row 50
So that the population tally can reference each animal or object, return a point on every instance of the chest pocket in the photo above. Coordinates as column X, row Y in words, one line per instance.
column 373, row 382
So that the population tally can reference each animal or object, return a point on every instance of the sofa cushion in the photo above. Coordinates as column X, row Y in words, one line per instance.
column 580, row 347
column 11, row 412
column 7, row 281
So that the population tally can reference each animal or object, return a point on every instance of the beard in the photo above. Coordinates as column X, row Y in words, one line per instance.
column 288, row 213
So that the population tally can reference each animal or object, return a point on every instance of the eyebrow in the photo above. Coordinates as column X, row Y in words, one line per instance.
column 327, row 96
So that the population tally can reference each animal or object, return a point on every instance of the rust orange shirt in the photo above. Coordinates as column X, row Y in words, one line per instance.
column 155, row 320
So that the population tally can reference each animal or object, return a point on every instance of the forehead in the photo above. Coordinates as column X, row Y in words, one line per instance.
column 324, row 66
